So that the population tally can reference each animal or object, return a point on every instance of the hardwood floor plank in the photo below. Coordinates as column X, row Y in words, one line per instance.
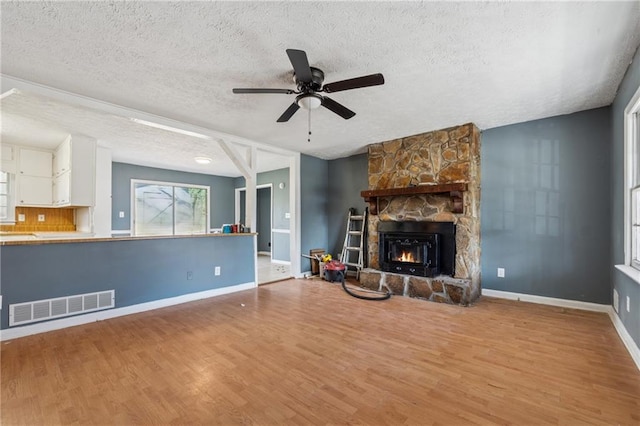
column 304, row 352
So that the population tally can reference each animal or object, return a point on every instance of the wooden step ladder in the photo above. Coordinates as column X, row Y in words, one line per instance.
column 354, row 242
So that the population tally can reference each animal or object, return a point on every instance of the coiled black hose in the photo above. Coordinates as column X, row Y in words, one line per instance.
column 360, row 296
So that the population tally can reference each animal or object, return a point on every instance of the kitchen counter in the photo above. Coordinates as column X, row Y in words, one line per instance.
column 36, row 238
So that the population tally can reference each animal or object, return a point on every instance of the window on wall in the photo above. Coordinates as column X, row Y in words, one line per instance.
column 161, row 208
column 632, row 182
column 7, row 207
column 546, row 179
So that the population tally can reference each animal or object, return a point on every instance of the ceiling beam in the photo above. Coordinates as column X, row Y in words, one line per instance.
column 241, row 163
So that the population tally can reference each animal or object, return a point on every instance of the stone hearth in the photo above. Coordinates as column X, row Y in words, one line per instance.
column 441, row 289
column 440, row 157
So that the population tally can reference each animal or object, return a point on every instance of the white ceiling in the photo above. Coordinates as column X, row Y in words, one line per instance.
column 444, row 64
column 33, row 120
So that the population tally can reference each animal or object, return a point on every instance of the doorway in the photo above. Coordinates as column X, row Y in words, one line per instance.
column 268, row 268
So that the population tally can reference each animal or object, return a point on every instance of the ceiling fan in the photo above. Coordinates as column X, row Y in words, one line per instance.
column 309, row 80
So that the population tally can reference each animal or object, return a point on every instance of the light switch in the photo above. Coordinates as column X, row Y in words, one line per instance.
column 287, row 215
column 121, row 215
column 21, row 217
column 40, row 218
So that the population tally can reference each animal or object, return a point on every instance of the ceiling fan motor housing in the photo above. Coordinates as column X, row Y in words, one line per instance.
column 317, row 77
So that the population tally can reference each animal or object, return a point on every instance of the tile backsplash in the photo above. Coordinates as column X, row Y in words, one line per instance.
column 55, row 220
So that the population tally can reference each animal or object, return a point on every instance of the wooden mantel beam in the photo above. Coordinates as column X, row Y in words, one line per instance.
column 453, row 190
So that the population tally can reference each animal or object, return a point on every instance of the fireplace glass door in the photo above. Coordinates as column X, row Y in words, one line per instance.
column 406, row 251
column 414, row 254
column 425, row 249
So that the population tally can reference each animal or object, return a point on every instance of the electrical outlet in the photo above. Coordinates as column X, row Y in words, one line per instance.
column 628, row 304
column 189, row 275
column 120, row 215
column 21, row 217
column 217, row 271
column 40, row 218
column 287, row 215
column 500, row 272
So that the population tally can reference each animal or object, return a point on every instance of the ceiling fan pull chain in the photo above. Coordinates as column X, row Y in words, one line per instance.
column 309, row 138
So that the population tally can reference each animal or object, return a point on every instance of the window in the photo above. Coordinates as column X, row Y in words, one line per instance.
column 632, row 182
column 169, row 209
column 7, row 207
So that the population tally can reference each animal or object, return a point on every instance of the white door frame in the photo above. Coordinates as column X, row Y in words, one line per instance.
column 237, row 210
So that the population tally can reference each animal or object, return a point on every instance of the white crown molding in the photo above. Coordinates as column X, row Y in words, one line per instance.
column 28, row 330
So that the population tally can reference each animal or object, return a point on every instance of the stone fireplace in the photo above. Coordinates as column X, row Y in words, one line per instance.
column 415, row 183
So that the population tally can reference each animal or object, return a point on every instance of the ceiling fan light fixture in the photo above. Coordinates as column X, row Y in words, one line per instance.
column 309, row 101
column 202, row 160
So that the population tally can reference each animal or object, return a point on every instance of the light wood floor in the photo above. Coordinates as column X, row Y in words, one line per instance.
column 304, row 352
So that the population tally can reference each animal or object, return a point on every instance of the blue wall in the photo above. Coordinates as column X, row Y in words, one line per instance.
column 280, row 244
column 314, row 198
column 263, row 219
column 347, row 177
column 623, row 284
column 542, row 215
column 221, row 192
column 545, row 215
column 280, row 196
column 140, row 270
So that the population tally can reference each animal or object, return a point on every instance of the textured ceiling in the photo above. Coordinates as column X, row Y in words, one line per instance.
column 444, row 64
column 39, row 121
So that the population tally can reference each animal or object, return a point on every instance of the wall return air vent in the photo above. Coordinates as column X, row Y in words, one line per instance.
column 42, row 310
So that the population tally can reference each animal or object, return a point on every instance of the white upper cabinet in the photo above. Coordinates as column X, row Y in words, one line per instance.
column 74, row 165
column 64, row 178
column 35, row 184
column 62, row 158
column 35, row 163
column 8, row 158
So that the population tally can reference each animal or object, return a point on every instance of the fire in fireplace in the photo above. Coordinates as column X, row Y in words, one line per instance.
column 408, row 256
column 417, row 248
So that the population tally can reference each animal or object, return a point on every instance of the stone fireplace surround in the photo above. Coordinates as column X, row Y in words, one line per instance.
column 444, row 156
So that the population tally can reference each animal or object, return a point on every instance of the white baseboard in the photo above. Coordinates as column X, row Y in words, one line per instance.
column 264, row 253
column 27, row 330
column 281, row 262
column 564, row 303
column 628, row 341
column 626, row 338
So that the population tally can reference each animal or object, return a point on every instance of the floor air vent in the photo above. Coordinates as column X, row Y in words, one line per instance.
column 40, row 310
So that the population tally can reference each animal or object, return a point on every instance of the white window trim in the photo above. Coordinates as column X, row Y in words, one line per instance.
column 132, row 200
column 11, row 205
column 631, row 127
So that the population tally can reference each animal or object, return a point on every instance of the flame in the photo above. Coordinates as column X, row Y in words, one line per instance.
column 407, row 257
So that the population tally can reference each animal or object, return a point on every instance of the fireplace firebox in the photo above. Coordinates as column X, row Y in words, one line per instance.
column 425, row 249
